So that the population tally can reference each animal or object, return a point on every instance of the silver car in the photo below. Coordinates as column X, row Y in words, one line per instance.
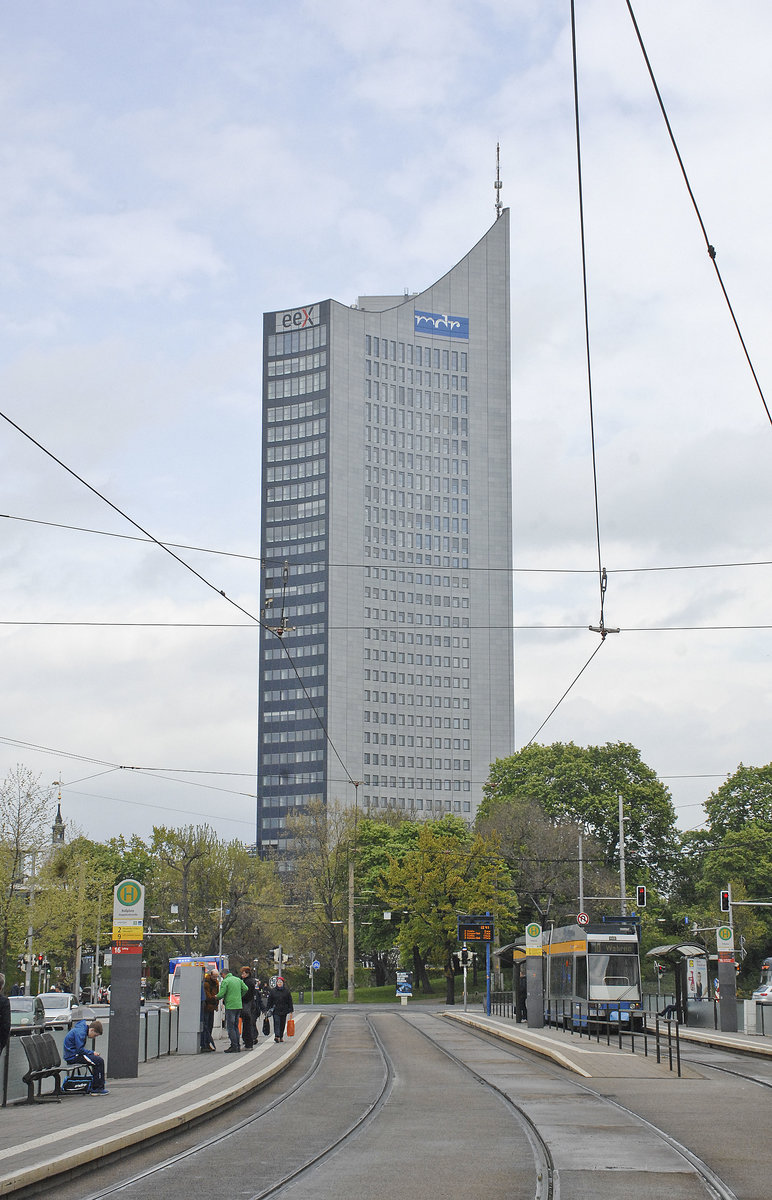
column 58, row 1008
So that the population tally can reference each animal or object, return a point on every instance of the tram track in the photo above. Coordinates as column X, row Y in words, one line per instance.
column 544, row 1102
column 533, row 1161
column 220, row 1139
column 715, row 1187
column 543, row 1161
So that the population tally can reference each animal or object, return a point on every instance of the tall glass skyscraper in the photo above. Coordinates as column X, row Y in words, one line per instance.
column 387, row 540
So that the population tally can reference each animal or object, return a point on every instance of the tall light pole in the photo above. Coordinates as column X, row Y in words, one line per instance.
column 351, row 853
column 622, row 880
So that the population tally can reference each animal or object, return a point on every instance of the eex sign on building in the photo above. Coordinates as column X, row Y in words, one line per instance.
column 387, row 541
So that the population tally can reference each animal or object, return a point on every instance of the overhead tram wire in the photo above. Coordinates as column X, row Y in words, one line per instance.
column 710, row 248
column 601, row 627
column 602, row 576
column 518, row 626
column 349, row 566
column 128, row 537
column 565, row 693
column 207, row 583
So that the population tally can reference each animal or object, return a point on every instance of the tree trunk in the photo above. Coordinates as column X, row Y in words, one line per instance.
column 450, row 986
column 380, row 963
column 420, row 976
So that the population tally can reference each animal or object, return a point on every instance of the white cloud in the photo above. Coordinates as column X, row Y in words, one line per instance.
column 171, row 172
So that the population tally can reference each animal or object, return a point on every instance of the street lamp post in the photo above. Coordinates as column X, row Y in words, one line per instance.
column 352, row 851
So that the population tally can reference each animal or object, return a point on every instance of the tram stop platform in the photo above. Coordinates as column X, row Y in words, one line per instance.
column 43, row 1140
column 594, row 1058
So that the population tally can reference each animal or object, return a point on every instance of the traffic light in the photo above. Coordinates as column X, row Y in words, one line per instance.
column 640, row 895
column 723, row 899
column 464, row 958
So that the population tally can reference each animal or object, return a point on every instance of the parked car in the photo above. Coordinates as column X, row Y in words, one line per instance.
column 27, row 1010
column 58, row 1008
column 763, row 994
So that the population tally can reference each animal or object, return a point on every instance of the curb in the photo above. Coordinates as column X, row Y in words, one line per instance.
column 72, row 1159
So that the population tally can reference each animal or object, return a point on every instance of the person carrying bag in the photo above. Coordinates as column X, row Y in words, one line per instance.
column 280, row 1005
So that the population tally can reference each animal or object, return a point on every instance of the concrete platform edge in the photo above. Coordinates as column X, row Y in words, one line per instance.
column 71, row 1160
column 528, row 1039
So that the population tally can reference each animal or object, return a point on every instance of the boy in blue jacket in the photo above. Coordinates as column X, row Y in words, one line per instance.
column 75, row 1052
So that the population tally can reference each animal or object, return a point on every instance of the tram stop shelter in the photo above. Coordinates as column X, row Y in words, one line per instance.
column 677, row 955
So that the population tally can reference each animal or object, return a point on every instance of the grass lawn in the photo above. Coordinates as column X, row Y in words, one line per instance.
column 384, row 995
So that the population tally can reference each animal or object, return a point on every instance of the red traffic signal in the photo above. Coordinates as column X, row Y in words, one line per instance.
column 723, row 898
column 640, row 896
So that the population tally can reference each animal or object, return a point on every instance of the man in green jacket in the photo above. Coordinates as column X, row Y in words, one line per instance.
column 231, row 991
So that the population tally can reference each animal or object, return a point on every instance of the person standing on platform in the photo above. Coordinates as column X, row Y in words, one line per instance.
column 280, row 1005
column 211, row 1004
column 232, row 990
column 248, row 1025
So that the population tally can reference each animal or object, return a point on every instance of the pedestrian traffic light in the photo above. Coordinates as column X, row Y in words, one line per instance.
column 640, row 895
column 723, row 898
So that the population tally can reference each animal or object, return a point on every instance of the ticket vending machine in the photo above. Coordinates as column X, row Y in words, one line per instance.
column 191, row 1007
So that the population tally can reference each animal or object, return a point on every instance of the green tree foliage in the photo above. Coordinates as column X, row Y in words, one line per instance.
column 206, row 878
column 449, row 871
column 25, row 832
column 317, row 885
column 583, row 785
column 379, row 843
column 744, row 796
column 543, row 857
column 73, row 906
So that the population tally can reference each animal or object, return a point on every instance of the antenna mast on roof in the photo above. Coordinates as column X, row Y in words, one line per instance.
column 498, row 185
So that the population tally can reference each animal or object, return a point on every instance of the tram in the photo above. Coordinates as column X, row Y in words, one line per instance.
column 591, row 974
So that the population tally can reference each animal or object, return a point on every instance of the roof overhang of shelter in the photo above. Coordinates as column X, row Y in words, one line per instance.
column 675, row 951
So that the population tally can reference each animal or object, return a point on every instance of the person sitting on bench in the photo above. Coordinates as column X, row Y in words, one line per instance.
column 75, row 1052
column 670, row 1010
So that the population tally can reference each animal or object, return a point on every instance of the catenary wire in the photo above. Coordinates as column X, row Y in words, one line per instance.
column 588, row 355
column 360, row 566
column 181, row 561
column 565, row 693
column 710, row 248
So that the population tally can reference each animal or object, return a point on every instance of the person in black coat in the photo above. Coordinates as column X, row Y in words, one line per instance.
column 248, row 1025
column 280, row 1006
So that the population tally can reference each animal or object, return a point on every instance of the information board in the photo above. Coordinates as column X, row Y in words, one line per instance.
column 475, row 929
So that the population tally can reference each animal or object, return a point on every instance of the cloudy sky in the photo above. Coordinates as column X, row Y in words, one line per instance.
column 171, row 170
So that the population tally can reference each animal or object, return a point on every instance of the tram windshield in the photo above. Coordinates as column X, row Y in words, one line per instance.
column 614, row 971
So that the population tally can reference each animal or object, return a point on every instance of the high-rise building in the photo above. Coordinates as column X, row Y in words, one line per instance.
column 387, row 540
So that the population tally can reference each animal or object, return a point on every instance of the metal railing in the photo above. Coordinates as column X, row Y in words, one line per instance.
column 629, row 1028
column 157, row 1038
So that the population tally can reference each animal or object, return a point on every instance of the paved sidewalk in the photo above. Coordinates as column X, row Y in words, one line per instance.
column 43, row 1140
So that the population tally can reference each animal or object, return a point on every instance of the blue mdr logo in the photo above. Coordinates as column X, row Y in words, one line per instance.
column 441, row 325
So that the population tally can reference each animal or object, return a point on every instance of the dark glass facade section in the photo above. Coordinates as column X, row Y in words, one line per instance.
column 292, row 752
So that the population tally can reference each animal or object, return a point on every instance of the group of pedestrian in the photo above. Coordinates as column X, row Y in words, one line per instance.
column 244, row 999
